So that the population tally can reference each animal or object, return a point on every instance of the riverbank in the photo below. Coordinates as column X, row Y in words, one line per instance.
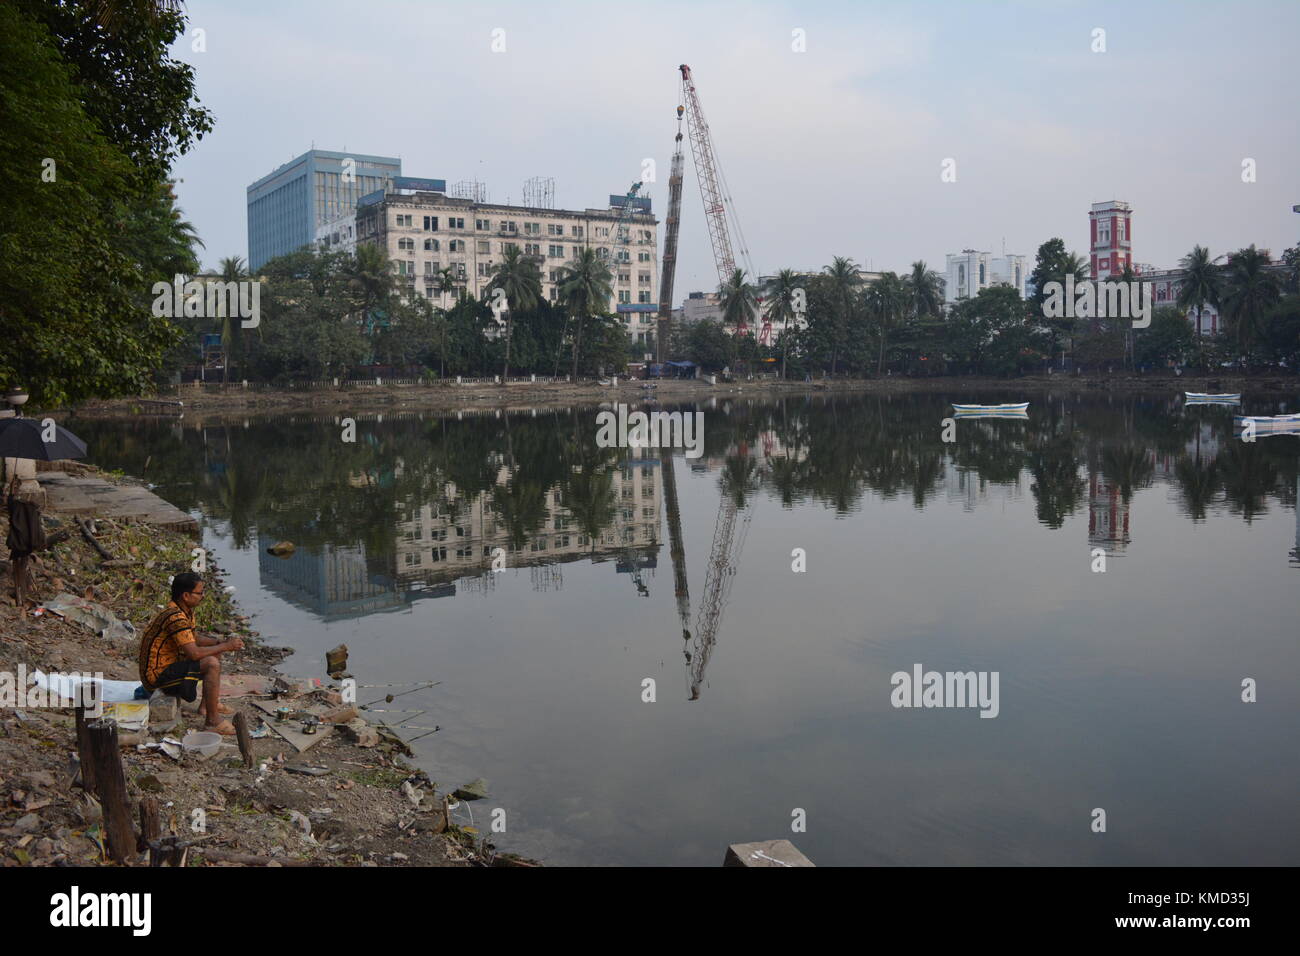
column 234, row 402
column 351, row 799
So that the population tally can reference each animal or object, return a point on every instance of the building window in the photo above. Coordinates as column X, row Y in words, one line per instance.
column 556, row 252
column 507, row 226
column 484, row 224
column 981, row 275
column 430, row 223
column 643, row 257
column 455, row 223
column 485, row 269
column 624, row 277
column 624, row 297
column 577, row 231
column 483, row 245
column 644, row 298
column 602, row 232
column 456, row 245
column 431, row 245
column 532, row 248
column 532, row 229
column 428, row 267
column 405, row 244
column 643, row 278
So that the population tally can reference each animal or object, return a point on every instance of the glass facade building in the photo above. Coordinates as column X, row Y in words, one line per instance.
column 286, row 206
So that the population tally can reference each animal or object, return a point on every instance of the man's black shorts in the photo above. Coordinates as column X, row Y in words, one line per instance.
column 180, row 679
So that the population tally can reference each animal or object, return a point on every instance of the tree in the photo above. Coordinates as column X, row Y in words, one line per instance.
column 844, row 280
column 708, row 344
column 781, row 303
column 924, row 292
column 520, row 283
column 1053, row 264
column 446, row 283
column 586, row 286
column 887, row 301
column 369, row 275
column 1250, row 291
column 231, row 269
column 1169, row 339
column 739, row 301
column 74, row 297
column 1200, row 286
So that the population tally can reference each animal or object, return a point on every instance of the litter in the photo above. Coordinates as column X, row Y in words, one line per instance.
column 94, row 616
column 67, row 687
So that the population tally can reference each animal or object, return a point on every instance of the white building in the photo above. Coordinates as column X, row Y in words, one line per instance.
column 970, row 271
column 338, row 235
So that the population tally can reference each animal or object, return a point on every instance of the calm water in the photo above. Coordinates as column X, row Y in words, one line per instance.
column 1119, row 690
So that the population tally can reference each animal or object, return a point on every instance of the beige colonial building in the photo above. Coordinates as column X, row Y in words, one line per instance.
column 427, row 232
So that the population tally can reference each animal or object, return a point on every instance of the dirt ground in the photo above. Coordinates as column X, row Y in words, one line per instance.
column 359, row 804
column 234, row 402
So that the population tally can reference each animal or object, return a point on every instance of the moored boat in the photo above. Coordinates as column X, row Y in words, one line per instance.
column 1009, row 407
column 1226, row 397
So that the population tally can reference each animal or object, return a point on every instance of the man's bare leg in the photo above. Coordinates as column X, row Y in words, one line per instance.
column 210, row 669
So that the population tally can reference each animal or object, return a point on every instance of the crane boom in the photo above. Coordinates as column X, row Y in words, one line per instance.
column 706, row 169
column 672, row 224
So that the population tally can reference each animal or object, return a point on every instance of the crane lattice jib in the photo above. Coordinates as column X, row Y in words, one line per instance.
column 672, row 224
column 706, row 168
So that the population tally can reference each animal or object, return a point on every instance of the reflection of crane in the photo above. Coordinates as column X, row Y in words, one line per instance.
column 724, row 561
column 681, row 587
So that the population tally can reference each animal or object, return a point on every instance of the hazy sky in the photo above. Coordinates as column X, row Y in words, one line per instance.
column 836, row 150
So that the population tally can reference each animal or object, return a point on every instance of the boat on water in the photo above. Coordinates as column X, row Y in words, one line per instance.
column 1231, row 398
column 1268, row 423
column 1017, row 416
column 995, row 409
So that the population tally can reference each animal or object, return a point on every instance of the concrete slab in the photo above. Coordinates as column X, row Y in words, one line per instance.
column 765, row 853
column 65, row 494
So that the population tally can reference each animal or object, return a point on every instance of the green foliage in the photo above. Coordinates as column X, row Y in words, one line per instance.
column 1169, row 339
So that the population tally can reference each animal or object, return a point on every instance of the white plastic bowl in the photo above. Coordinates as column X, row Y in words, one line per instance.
column 203, row 743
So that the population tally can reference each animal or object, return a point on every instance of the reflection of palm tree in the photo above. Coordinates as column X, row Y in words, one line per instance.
column 1248, row 476
column 739, row 478
column 1128, row 467
column 521, row 506
column 1057, row 486
column 589, row 496
column 1198, row 483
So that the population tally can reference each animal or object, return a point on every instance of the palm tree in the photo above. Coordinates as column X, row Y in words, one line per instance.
column 887, row 301
column 520, row 282
column 446, row 283
column 370, row 275
column 1199, row 286
column 586, row 285
column 232, row 269
column 1250, row 290
column 844, row 281
column 739, row 301
column 924, row 292
column 781, row 307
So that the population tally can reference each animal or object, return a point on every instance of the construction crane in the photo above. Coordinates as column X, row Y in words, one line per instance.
column 724, row 557
column 719, row 211
column 619, row 235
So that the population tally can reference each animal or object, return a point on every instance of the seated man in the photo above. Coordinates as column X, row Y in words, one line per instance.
column 173, row 659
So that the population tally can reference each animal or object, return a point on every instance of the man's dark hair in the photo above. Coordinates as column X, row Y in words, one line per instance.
column 184, row 583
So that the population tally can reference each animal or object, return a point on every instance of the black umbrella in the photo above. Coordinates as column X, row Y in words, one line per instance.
column 25, row 438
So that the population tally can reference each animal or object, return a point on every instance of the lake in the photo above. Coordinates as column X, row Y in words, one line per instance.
column 1121, row 564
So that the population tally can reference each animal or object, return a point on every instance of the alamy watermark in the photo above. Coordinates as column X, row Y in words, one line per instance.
column 622, row 429
column 209, row 300
column 1100, row 299
column 23, row 691
column 948, row 689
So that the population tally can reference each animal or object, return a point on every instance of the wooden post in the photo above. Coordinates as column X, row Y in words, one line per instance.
column 245, row 741
column 111, row 786
column 84, row 753
column 150, row 824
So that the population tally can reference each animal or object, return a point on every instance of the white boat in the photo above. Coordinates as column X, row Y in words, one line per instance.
column 1010, row 407
column 1227, row 397
column 1267, row 421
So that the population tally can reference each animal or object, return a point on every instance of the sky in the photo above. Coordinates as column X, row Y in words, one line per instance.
column 838, row 148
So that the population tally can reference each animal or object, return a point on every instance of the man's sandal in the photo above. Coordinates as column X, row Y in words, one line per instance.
column 225, row 728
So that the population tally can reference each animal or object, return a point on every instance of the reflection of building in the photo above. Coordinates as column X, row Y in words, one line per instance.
column 1205, row 445
column 1295, row 555
column 1108, row 514
column 963, row 484
column 335, row 581
column 457, row 535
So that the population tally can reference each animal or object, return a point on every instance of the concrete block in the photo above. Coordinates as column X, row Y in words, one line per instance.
column 766, row 853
